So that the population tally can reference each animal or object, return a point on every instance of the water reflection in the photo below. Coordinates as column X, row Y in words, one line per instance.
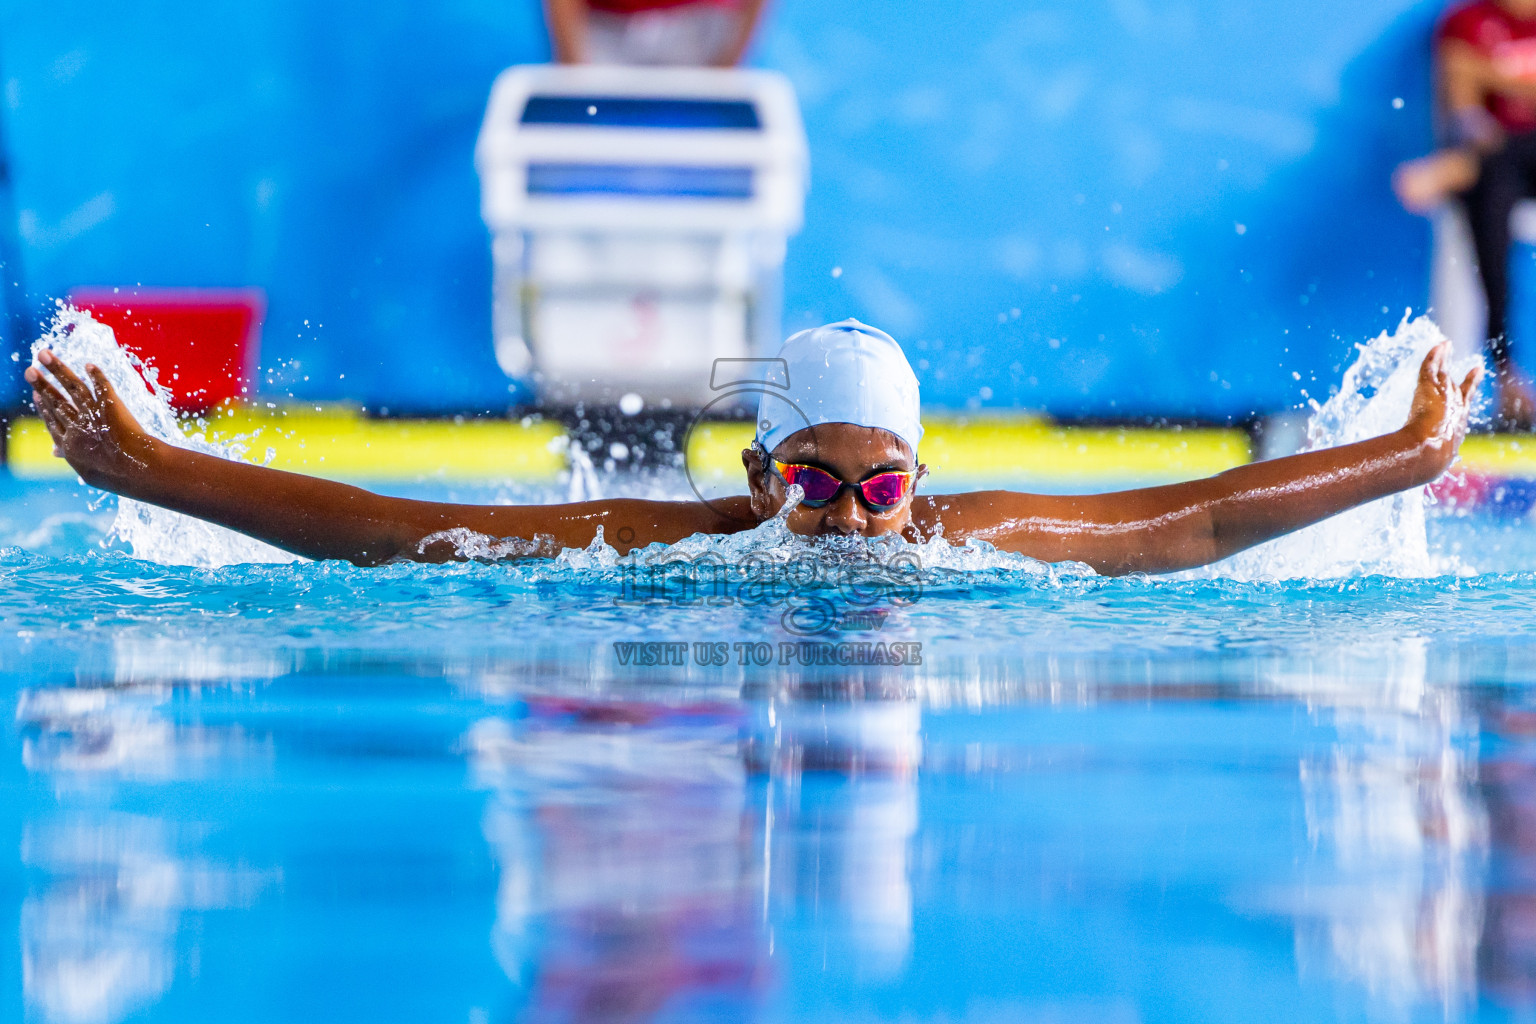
column 98, row 937
column 839, row 813
column 804, row 806
column 648, row 850
column 1507, row 954
column 627, row 868
column 683, row 854
column 108, row 890
column 1393, row 808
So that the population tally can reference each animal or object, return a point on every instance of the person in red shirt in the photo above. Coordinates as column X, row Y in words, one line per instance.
column 1486, row 52
column 677, row 32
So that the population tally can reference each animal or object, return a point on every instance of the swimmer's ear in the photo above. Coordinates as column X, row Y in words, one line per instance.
column 756, row 479
column 922, row 471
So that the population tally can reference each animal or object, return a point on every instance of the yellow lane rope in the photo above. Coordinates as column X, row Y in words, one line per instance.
column 343, row 445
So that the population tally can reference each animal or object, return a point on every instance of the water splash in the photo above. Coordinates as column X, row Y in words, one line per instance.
column 1384, row 537
column 584, row 482
column 150, row 532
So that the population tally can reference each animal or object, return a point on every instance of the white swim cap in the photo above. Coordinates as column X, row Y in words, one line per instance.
column 842, row 373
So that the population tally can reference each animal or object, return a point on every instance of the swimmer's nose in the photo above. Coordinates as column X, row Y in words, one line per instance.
column 844, row 516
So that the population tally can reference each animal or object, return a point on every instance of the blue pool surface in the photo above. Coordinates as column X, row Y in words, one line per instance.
column 316, row 792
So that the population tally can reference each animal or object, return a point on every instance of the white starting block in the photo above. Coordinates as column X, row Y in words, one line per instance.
column 639, row 218
column 1455, row 291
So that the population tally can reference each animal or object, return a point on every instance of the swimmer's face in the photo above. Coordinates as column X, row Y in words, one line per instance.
column 851, row 454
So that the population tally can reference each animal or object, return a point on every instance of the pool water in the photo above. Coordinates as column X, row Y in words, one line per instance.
column 314, row 792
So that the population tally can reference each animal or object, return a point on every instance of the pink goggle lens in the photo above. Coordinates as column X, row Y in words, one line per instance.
column 819, row 486
column 886, row 490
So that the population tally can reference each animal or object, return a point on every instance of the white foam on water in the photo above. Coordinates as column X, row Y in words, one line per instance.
column 1384, row 537
column 150, row 532
column 772, row 541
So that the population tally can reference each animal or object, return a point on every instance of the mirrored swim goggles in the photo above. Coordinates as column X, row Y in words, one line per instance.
column 880, row 493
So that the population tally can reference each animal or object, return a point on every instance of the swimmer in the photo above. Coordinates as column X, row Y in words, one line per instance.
column 847, row 432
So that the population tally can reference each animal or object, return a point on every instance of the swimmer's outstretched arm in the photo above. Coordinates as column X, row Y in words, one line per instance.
column 316, row 518
column 1180, row 526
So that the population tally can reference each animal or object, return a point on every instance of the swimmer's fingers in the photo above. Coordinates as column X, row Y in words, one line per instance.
column 1436, row 412
column 1445, row 380
column 1435, row 361
column 1468, row 386
column 42, row 389
column 47, row 405
column 106, row 394
column 51, row 406
column 1429, row 369
column 73, row 386
column 1433, row 386
column 111, row 410
column 56, row 427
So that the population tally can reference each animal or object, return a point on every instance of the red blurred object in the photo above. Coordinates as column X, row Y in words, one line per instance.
column 203, row 341
column 1462, row 489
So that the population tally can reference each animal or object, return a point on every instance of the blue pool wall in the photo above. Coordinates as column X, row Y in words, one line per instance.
column 1113, row 208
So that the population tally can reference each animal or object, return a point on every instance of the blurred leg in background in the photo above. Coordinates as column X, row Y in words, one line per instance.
column 1507, row 177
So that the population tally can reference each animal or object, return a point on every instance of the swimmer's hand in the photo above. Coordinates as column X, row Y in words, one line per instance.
column 1437, row 422
column 92, row 429
column 1424, row 184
